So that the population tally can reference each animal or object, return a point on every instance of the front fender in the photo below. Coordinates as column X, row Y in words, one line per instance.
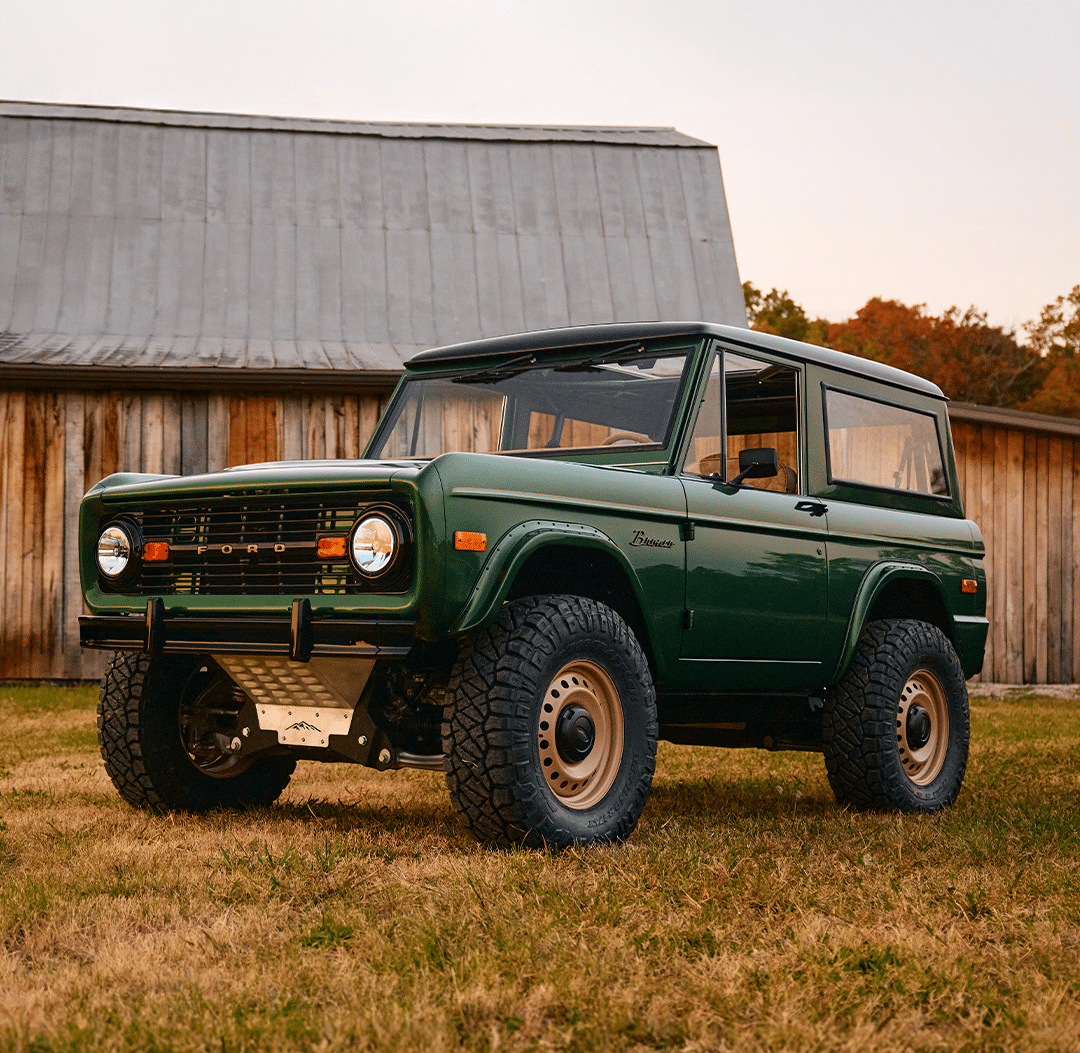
column 511, row 552
column 874, row 580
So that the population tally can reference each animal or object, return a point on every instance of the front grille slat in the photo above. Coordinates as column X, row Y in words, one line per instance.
column 293, row 528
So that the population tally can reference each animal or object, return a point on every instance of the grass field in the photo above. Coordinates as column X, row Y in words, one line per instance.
column 748, row 912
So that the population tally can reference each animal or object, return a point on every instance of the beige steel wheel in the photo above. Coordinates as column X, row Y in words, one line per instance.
column 550, row 725
column 922, row 727
column 895, row 728
column 580, row 734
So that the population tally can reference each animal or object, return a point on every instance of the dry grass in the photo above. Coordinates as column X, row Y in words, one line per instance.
column 748, row 912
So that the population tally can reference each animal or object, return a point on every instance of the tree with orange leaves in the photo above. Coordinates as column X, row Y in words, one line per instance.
column 1055, row 337
column 968, row 359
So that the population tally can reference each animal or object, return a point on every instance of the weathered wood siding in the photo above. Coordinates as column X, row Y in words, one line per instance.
column 54, row 445
column 1022, row 488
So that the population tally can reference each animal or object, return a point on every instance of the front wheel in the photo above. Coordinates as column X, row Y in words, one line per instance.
column 551, row 725
column 166, row 726
column 895, row 729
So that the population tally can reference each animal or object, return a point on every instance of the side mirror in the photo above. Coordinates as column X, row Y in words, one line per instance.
column 759, row 463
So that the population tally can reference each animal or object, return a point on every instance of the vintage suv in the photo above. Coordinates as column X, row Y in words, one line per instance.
column 559, row 547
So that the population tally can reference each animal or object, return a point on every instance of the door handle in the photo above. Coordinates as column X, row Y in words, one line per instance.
column 815, row 508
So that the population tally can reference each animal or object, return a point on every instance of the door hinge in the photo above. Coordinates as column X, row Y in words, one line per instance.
column 688, row 619
column 688, row 530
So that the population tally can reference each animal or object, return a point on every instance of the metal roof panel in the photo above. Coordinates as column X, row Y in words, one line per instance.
column 201, row 233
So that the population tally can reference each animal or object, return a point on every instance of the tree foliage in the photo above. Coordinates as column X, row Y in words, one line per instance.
column 969, row 359
column 777, row 313
column 1055, row 337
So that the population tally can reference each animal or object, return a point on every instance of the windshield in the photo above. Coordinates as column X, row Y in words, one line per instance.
column 624, row 399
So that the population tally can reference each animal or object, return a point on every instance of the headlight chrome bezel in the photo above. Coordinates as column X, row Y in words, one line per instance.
column 123, row 534
column 398, row 536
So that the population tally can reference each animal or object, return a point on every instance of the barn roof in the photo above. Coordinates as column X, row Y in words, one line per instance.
column 155, row 246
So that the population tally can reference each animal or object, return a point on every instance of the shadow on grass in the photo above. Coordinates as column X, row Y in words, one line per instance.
column 710, row 798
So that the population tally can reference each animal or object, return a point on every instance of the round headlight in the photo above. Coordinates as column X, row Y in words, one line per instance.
column 374, row 544
column 115, row 549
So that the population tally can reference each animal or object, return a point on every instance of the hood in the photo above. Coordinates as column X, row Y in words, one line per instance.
column 258, row 479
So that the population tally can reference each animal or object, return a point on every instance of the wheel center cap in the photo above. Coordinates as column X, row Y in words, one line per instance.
column 575, row 734
column 918, row 727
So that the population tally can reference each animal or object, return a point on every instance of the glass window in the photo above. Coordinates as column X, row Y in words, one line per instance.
column 761, row 411
column 624, row 399
column 878, row 444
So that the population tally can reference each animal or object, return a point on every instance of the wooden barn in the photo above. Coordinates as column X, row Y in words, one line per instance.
column 181, row 292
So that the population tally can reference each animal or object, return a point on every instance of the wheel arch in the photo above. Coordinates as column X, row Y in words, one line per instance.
column 895, row 590
column 545, row 558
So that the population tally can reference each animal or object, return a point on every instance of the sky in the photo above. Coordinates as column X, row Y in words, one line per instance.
column 926, row 151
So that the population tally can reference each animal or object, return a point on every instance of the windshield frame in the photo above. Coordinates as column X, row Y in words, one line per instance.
column 652, row 456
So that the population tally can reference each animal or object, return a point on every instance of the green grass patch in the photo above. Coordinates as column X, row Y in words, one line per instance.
column 747, row 912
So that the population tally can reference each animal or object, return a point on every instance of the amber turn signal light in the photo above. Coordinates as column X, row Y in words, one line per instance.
column 470, row 541
column 332, row 547
column 155, row 551
column 969, row 585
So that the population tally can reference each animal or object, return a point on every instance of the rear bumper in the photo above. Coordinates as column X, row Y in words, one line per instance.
column 297, row 635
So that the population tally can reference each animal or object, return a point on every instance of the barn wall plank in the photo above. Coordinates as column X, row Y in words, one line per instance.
column 1031, row 525
column 1042, row 523
column 15, row 619
column 1053, row 561
column 52, row 546
column 237, row 440
column 351, row 414
column 171, row 434
column 33, row 511
column 131, row 432
column 1013, row 497
column 1068, row 666
column 153, row 432
column 292, row 427
column 218, row 422
column 74, row 487
column 5, row 504
column 1000, row 456
column 193, row 434
column 1076, row 561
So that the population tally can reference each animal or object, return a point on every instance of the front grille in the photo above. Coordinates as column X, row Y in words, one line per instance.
column 253, row 548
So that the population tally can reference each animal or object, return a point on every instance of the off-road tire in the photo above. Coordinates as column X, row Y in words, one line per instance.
column 500, row 764
column 139, row 735
column 871, row 766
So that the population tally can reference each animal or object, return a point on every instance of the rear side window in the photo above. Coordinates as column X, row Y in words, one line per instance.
column 882, row 445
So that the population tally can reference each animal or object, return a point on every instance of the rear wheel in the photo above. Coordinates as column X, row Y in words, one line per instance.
column 551, row 725
column 166, row 727
column 895, row 729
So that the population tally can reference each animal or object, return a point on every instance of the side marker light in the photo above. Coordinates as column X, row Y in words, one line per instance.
column 969, row 585
column 470, row 541
column 156, row 551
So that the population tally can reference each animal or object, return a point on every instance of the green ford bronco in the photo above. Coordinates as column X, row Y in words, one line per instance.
column 558, row 548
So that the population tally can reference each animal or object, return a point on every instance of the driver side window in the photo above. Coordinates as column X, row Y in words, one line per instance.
column 759, row 410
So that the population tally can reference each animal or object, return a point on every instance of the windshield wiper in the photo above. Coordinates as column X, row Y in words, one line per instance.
column 619, row 354
column 498, row 371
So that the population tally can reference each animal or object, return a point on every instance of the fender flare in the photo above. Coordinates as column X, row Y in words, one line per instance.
column 877, row 576
column 510, row 553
